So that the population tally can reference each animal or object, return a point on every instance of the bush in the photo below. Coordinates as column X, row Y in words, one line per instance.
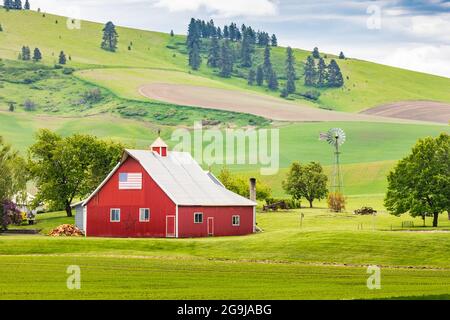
column 336, row 201
column 68, row 71
column 291, row 203
column 92, row 96
column 311, row 94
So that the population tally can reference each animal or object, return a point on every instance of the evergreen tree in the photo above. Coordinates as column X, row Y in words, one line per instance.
column 110, row 37
column 251, row 77
column 193, row 33
column 260, row 76
column 274, row 41
column 316, row 53
column 226, row 33
column 247, row 50
column 341, row 55
column 226, row 60
column 310, row 72
column 193, row 43
column 171, row 33
column 214, row 53
column 267, row 64
column 11, row 106
column 26, row 53
column 7, row 4
column 219, row 33
column 17, row 4
column 27, row 5
column 37, row 55
column 273, row 81
column 195, row 59
column 335, row 78
column 62, row 58
column 322, row 73
column 290, row 71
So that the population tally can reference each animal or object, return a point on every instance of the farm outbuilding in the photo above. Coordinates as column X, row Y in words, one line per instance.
column 160, row 193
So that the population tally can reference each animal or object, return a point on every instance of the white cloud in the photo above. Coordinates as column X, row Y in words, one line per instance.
column 424, row 58
column 224, row 8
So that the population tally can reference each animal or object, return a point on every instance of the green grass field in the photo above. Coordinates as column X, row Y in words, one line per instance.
column 326, row 258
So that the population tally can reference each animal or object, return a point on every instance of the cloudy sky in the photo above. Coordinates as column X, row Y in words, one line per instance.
column 411, row 34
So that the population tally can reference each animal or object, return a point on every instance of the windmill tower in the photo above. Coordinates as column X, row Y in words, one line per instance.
column 336, row 138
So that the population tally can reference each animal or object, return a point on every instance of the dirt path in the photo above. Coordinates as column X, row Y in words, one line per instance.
column 413, row 110
column 265, row 106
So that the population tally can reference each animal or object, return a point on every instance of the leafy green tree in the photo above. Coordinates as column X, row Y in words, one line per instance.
column 274, row 41
column 316, row 53
column 37, row 55
column 62, row 58
column 71, row 167
column 322, row 74
column 1, row 28
column 306, row 181
column 214, row 53
column 11, row 106
column 267, row 65
column 260, row 76
column 335, row 78
column 420, row 183
column 110, row 37
column 310, row 72
column 290, row 71
column 240, row 185
column 226, row 60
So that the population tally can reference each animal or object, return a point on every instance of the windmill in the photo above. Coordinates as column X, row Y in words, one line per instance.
column 336, row 138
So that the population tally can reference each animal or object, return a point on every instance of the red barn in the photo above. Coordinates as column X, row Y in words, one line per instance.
column 157, row 193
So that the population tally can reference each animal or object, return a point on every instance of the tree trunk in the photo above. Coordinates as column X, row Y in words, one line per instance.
column 68, row 210
column 310, row 203
column 435, row 219
column 448, row 214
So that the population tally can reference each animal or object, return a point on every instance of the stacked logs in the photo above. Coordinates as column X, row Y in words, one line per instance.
column 66, row 230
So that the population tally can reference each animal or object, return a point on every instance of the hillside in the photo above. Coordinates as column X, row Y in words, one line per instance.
column 101, row 93
column 158, row 56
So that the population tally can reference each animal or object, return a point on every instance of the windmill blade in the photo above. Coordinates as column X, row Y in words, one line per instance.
column 323, row 136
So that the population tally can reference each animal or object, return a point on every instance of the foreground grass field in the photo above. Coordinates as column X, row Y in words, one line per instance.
column 326, row 258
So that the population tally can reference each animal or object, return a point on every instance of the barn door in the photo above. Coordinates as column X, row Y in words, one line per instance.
column 210, row 226
column 170, row 227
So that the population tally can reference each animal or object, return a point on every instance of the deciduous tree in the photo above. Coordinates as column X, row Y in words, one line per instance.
column 420, row 183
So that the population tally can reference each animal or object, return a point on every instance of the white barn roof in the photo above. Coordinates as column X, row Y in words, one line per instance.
column 183, row 180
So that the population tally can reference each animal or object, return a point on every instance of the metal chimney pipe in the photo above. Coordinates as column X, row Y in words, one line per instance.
column 253, row 189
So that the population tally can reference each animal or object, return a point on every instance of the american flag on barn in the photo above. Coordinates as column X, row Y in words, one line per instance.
column 130, row 181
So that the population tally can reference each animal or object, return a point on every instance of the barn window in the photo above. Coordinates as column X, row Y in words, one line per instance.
column 115, row 215
column 198, row 217
column 236, row 221
column 144, row 215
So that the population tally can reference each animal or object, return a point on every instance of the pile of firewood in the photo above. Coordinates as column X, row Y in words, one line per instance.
column 67, row 230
